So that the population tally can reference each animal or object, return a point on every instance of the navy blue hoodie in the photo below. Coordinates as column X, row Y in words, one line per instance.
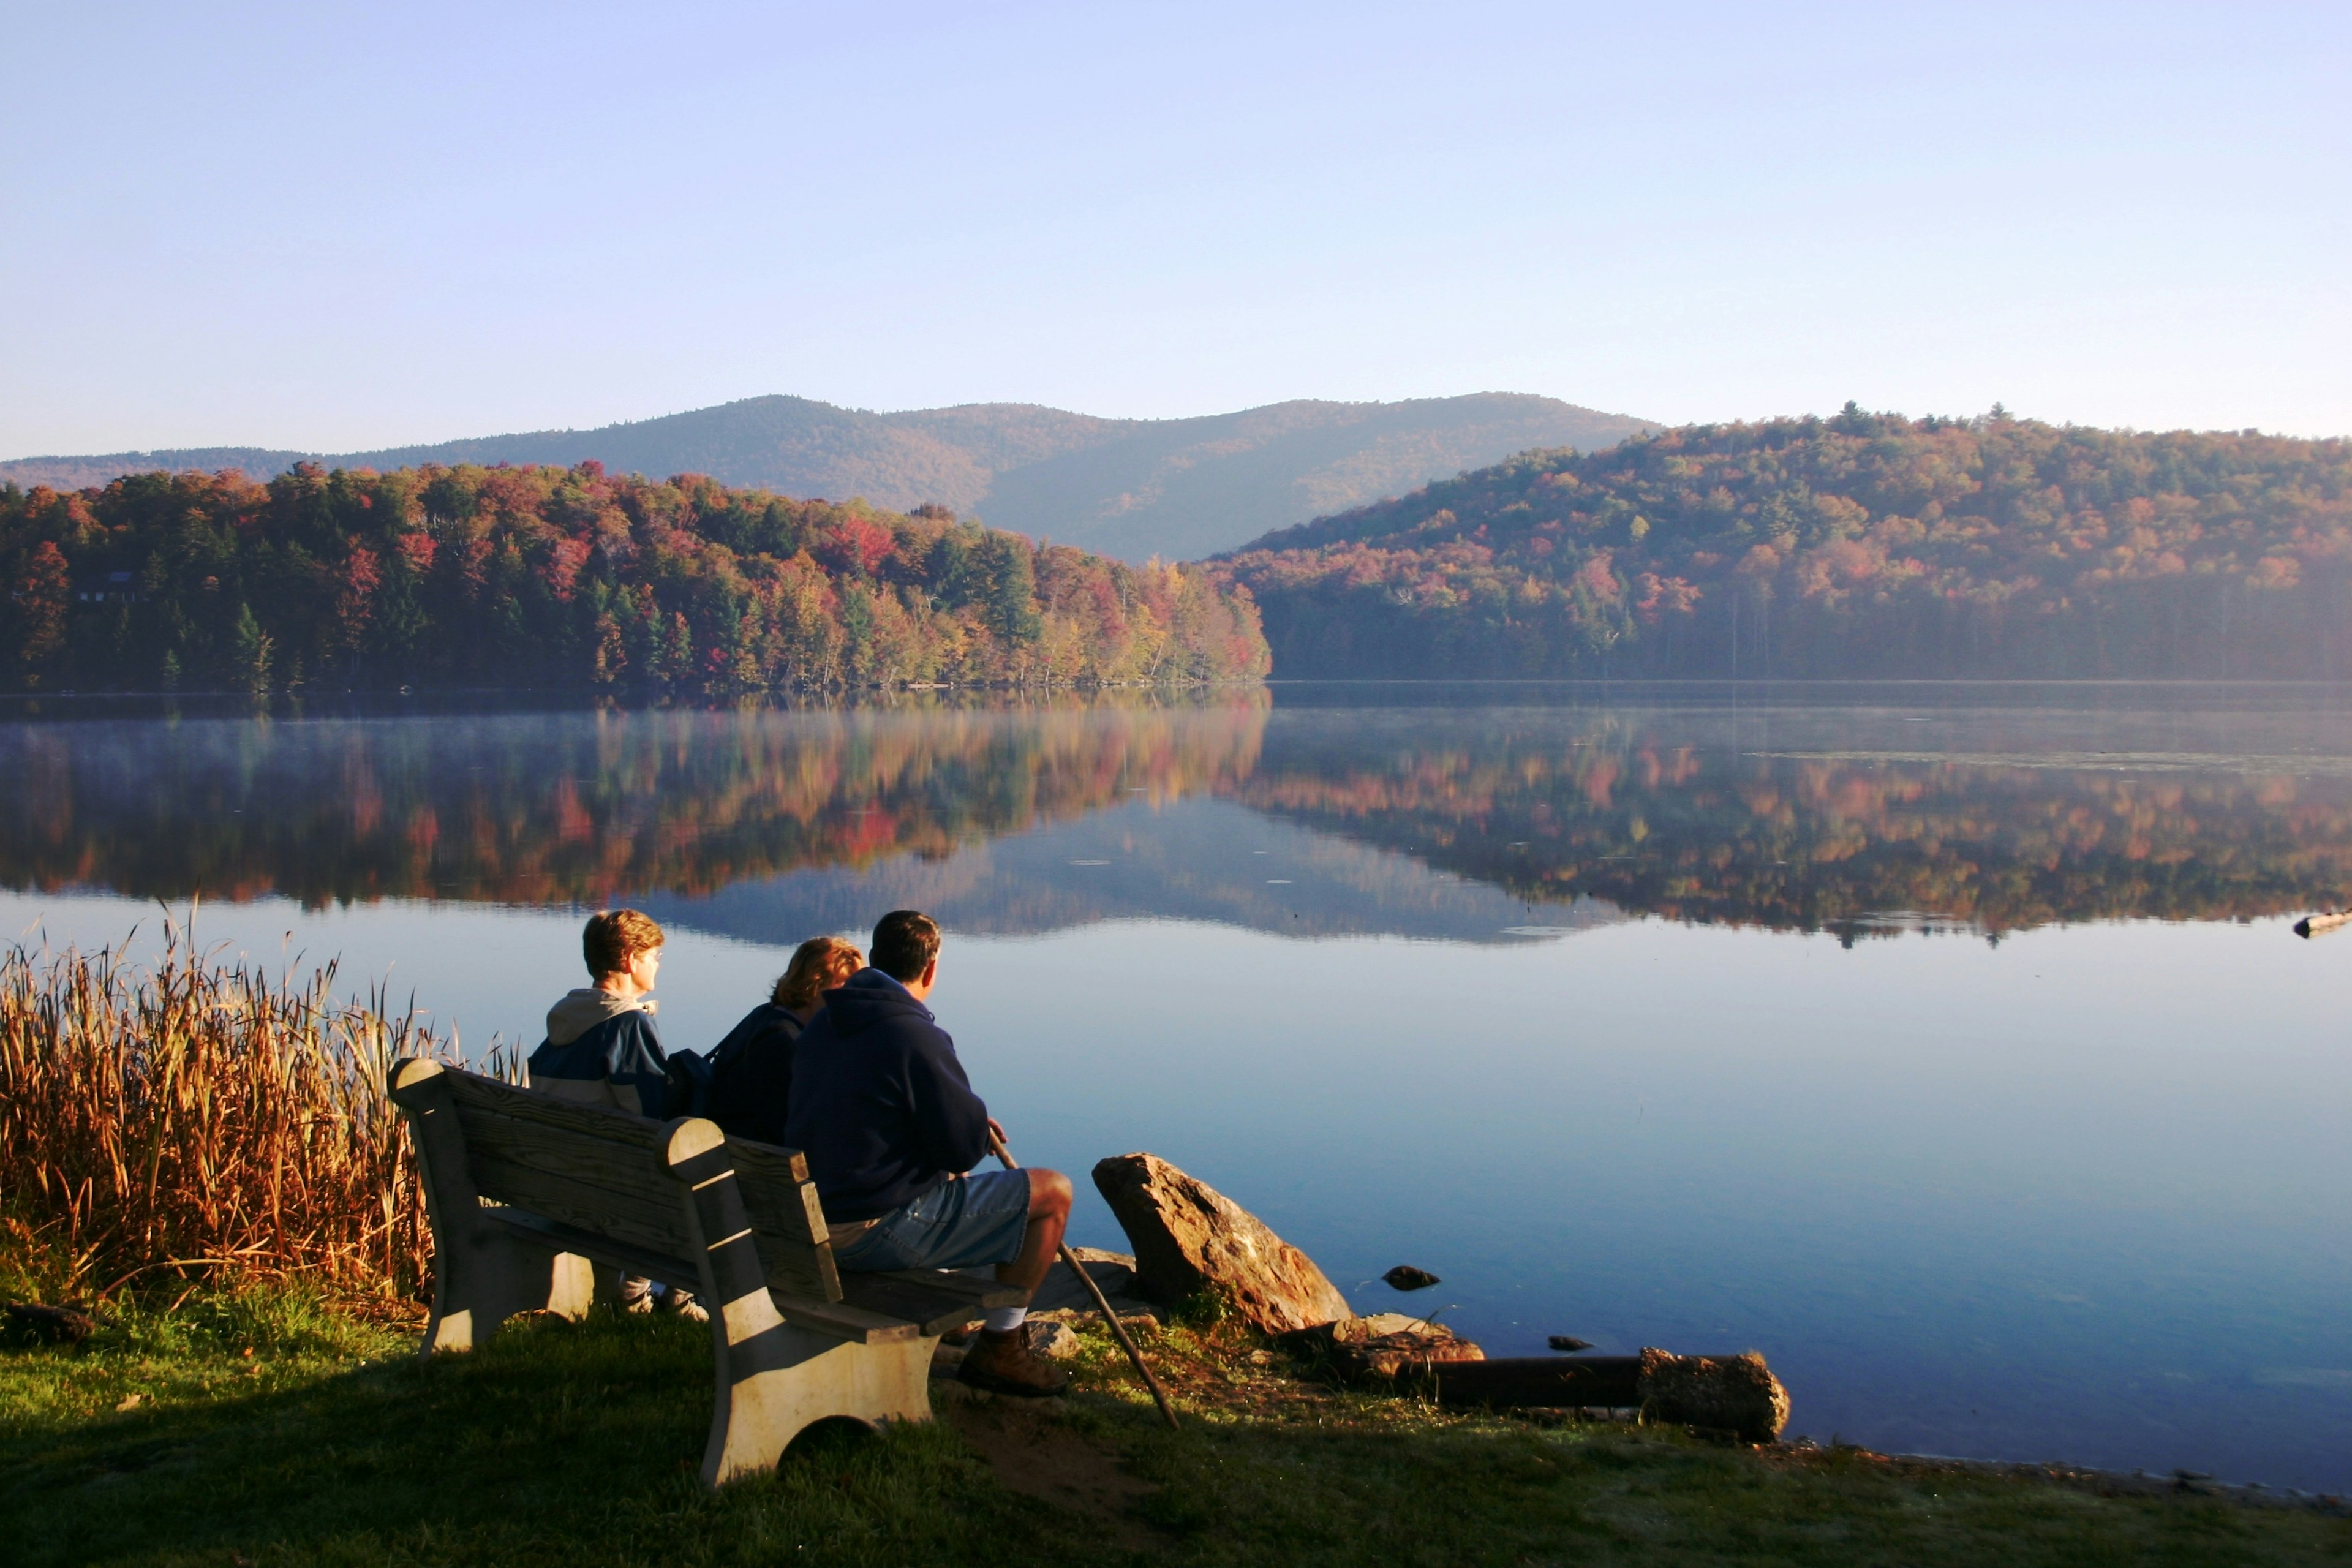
column 880, row 1103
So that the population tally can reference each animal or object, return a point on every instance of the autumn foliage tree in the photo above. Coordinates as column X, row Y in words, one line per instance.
column 1860, row 545
column 547, row 576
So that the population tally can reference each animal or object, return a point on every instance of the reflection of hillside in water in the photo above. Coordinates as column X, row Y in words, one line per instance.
column 1459, row 821
column 576, row 807
column 1786, row 821
column 1191, row 860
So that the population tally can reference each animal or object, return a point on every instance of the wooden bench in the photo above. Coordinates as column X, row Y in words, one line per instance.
column 539, row 1205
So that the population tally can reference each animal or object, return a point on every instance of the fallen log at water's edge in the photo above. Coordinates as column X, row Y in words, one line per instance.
column 1734, row 1394
column 1514, row 1381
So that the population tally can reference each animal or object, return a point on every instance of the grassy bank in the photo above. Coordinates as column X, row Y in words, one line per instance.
column 262, row 1427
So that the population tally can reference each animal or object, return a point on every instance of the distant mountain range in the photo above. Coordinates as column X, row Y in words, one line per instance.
column 1179, row 488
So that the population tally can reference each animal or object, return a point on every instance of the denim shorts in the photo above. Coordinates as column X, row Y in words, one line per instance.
column 978, row 1219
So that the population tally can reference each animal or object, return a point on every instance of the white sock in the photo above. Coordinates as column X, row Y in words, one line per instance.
column 1004, row 1319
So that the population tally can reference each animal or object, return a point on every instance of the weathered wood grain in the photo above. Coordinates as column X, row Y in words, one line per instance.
column 981, row 1292
column 846, row 1319
column 768, row 1161
column 643, row 1221
column 612, row 1170
column 795, row 1243
column 923, row 1303
column 475, row 1093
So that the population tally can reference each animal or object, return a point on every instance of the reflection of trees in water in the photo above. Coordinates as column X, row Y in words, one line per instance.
column 581, row 806
column 1666, row 828
column 1654, row 813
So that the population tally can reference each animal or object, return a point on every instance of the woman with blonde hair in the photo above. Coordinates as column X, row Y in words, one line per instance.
column 751, row 1069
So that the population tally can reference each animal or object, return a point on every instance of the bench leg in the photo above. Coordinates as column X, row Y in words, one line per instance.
column 775, row 1377
column 483, row 1272
column 481, row 1284
column 776, row 1384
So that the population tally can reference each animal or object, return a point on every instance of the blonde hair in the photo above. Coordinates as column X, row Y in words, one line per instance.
column 818, row 965
column 614, row 938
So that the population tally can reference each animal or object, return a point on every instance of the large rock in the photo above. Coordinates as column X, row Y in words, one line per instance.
column 1188, row 1237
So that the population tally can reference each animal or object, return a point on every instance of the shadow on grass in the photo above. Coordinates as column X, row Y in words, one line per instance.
column 558, row 1444
column 551, row 1444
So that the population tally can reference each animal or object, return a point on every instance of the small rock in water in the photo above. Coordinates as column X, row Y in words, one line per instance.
column 1405, row 1277
column 1568, row 1342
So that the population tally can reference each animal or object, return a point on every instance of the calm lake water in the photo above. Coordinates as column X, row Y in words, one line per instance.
column 1949, row 1045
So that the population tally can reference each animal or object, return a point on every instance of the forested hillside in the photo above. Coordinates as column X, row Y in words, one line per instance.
column 569, row 577
column 1860, row 545
column 1178, row 488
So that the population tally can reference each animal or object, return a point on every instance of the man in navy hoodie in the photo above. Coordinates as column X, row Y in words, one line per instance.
column 892, row 1131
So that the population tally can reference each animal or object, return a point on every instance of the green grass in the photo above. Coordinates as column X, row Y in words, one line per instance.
column 577, row 1445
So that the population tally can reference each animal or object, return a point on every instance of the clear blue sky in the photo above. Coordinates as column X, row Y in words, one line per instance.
column 334, row 226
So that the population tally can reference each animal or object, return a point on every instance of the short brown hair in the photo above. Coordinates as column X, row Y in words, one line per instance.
column 905, row 942
column 818, row 965
column 614, row 938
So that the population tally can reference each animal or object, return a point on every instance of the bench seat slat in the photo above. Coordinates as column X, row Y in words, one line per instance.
column 849, row 1323
column 860, row 1324
column 915, row 1300
column 981, row 1292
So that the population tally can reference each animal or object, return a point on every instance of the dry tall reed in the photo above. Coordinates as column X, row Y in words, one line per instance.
column 191, row 1119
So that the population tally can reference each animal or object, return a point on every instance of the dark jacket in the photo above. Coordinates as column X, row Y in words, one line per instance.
column 879, row 1104
column 751, row 1074
column 601, row 1051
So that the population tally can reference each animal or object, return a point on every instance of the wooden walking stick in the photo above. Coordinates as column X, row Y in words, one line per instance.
column 1102, row 1303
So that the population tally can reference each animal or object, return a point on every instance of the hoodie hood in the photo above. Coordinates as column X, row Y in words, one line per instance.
column 870, row 997
column 583, row 1010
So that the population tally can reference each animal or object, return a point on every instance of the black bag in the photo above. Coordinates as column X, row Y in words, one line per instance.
column 685, row 1084
column 750, row 1072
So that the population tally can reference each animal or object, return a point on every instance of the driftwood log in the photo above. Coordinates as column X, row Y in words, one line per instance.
column 1721, row 1394
column 32, row 1323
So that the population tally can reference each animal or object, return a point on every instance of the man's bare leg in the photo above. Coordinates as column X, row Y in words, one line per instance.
column 1049, row 1216
column 1000, row 1359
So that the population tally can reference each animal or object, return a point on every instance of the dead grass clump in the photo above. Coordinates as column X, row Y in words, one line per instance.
column 193, row 1119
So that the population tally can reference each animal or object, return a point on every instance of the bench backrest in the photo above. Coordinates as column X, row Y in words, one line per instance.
column 605, row 1173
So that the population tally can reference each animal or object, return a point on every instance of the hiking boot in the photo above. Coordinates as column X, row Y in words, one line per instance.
column 636, row 1295
column 1002, row 1364
column 680, row 1303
